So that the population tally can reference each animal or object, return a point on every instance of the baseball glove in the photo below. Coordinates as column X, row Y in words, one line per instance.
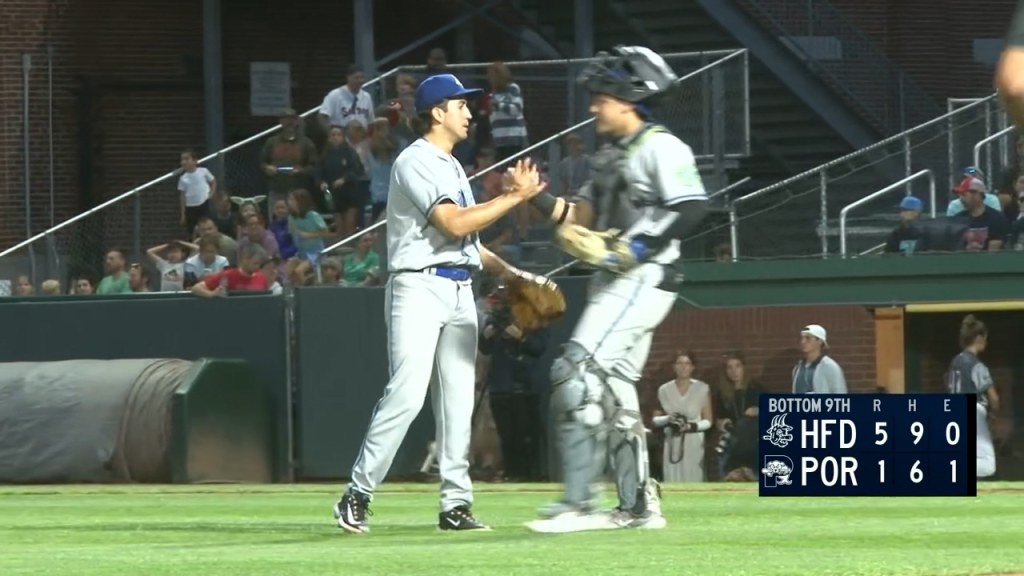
column 534, row 301
column 602, row 249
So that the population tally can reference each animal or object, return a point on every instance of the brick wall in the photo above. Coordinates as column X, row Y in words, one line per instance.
column 26, row 27
column 144, row 63
column 769, row 337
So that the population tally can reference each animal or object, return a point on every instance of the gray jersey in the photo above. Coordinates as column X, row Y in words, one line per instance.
column 424, row 176
column 638, row 180
column 968, row 375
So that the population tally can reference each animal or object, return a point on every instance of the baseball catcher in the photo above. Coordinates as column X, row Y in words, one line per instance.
column 644, row 197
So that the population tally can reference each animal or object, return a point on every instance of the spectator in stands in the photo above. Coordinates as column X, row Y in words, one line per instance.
column 116, row 280
column 272, row 272
column 437, row 63
column 23, row 286
column 308, row 229
column 362, row 266
column 169, row 260
column 224, row 214
column 723, row 252
column 383, row 151
column 817, row 372
column 347, row 103
column 1011, row 184
column 684, row 403
column 574, row 169
column 83, row 286
column 288, row 158
column 358, row 137
column 256, row 233
column 206, row 262
column 970, row 184
column 196, row 185
column 986, row 226
column 903, row 239
column 226, row 245
column 247, row 277
column 50, row 287
column 138, row 278
column 338, row 177
column 399, row 116
column 331, row 272
column 279, row 227
column 507, row 123
column 735, row 405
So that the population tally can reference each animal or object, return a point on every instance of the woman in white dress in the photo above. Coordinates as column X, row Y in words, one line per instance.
column 684, row 416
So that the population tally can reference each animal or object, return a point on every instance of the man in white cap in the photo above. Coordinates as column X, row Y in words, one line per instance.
column 817, row 373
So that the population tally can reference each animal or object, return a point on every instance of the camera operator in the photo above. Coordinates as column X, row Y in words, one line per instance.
column 736, row 402
column 684, row 416
column 514, row 380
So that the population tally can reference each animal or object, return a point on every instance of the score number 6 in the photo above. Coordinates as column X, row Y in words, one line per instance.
column 917, row 429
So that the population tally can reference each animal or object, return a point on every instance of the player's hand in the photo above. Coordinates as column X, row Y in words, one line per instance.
column 523, row 180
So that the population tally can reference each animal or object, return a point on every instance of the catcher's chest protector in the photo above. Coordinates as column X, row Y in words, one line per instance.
column 616, row 203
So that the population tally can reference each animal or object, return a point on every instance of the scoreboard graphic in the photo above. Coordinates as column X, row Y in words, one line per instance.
column 867, row 445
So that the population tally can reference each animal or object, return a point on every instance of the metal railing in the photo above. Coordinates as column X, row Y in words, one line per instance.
column 895, row 185
column 730, row 55
column 134, row 192
column 131, row 221
column 984, row 143
column 898, row 154
column 867, row 79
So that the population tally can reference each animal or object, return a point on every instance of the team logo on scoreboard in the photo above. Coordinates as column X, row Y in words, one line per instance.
column 776, row 471
column 779, row 433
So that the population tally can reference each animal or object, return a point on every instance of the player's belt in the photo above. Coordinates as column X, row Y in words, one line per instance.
column 456, row 273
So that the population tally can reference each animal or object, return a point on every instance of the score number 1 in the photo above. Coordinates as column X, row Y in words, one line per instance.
column 917, row 430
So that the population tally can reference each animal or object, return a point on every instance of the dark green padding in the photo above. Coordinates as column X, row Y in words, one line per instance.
column 223, row 422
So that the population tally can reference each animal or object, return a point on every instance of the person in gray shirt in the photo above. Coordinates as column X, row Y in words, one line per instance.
column 816, row 372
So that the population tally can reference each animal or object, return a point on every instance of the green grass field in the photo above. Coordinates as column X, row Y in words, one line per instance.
column 287, row 529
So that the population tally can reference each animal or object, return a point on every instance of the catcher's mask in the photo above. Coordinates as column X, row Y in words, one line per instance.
column 631, row 73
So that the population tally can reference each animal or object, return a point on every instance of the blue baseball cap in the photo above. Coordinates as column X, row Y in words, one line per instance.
column 911, row 203
column 441, row 87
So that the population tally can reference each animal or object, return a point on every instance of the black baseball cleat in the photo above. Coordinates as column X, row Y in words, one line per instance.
column 458, row 519
column 351, row 512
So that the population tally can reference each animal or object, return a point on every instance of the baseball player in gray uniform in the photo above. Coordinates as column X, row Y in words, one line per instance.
column 430, row 310
column 967, row 374
column 647, row 187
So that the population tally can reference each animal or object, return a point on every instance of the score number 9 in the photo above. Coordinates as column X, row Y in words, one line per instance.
column 917, row 430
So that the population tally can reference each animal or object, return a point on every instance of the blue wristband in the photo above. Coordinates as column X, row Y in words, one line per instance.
column 638, row 249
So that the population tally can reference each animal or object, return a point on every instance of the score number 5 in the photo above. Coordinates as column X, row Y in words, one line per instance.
column 917, row 429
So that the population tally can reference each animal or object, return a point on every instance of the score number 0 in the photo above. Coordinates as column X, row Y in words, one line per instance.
column 917, row 429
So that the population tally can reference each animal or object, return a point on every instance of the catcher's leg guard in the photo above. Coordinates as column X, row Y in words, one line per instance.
column 628, row 446
column 577, row 393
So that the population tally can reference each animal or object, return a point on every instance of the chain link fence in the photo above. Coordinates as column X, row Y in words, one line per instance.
column 709, row 109
column 798, row 217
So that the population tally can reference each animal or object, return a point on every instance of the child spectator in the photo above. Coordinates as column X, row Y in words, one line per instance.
column 362, row 266
column 331, row 270
column 196, row 185
column 205, row 263
column 50, row 287
column 272, row 272
column 308, row 229
column 169, row 260
column 279, row 228
column 246, row 277
column 224, row 215
column 383, row 151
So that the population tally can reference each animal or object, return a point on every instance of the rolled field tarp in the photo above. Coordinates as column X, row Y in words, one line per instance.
column 87, row 420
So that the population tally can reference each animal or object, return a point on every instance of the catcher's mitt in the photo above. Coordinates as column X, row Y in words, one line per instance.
column 534, row 301
column 600, row 249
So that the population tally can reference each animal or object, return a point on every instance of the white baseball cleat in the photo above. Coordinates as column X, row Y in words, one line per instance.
column 572, row 522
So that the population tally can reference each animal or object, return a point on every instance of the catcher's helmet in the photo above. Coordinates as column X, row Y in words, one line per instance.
column 630, row 73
